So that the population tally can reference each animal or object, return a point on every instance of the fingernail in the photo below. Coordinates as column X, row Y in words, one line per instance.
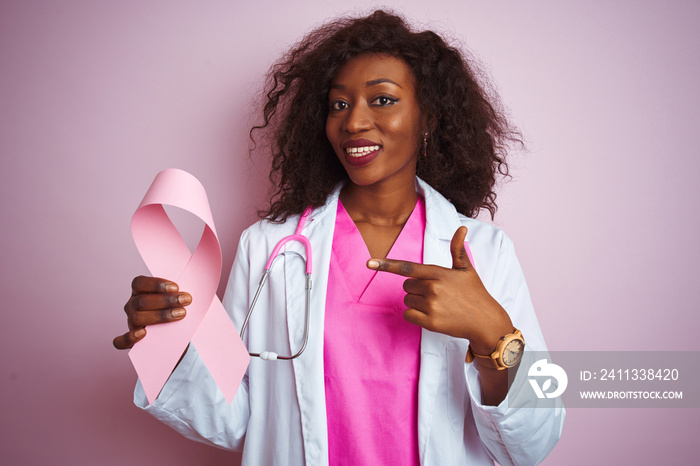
column 140, row 332
column 171, row 288
column 373, row 264
column 184, row 298
column 179, row 312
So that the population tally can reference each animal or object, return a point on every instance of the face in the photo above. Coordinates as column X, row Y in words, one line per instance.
column 374, row 121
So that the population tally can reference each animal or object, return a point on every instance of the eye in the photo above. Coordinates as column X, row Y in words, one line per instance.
column 384, row 101
column 339, row 105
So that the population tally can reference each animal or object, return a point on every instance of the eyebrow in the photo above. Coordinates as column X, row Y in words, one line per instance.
column 371, row 83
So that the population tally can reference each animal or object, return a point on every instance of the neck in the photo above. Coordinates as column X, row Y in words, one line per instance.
column 381, row 205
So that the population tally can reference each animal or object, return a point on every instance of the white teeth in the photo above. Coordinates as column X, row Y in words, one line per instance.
column 360, row 151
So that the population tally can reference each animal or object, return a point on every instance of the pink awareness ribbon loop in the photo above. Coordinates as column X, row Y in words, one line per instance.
column 207, row 325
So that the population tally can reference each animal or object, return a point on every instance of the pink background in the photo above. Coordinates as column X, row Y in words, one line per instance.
column 97, row 97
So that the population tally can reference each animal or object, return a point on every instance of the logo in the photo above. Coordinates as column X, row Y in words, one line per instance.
column 541, row 369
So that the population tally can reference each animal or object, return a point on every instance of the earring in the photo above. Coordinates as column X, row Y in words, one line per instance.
column 425, row 145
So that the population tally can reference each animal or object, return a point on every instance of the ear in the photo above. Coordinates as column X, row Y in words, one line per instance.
column 428, row 124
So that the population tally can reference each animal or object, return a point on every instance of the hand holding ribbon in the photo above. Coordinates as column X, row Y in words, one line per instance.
column 206, row 325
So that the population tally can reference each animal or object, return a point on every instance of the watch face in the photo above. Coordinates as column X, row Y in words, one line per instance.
column 512, row 353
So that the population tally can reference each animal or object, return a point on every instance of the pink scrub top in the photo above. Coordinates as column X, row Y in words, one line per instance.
column 371, row 354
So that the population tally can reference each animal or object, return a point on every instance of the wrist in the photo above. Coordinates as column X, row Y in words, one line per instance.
column 486, row 343
column 507, row 354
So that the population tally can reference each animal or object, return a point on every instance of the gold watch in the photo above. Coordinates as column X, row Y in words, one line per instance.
column 509, row 351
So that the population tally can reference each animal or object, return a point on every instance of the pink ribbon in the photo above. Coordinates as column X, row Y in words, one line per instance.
column 206, row 326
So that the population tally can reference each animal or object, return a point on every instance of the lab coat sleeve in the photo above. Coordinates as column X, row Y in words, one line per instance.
column 516, row 431
column 190, row 402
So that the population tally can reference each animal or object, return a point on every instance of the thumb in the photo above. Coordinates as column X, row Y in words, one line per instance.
column 460, row 259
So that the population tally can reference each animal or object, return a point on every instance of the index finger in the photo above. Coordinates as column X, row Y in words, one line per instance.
column 404, row 268
column 143, row 284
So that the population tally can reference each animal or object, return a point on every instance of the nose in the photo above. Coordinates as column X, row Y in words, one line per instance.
column 358, row 119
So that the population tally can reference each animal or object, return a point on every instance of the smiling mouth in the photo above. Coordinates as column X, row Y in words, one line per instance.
column 361, row 151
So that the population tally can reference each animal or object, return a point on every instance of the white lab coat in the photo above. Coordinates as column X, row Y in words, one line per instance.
column 278, row 416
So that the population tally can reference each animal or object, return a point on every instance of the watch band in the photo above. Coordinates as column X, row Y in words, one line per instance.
column 486, row 361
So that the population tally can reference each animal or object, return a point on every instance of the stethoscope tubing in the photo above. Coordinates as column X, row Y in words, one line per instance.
column 297, row 236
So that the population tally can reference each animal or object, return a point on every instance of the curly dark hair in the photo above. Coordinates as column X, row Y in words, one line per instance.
column 468, row 131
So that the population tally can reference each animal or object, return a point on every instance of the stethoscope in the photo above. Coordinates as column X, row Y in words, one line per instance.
column 297, row 236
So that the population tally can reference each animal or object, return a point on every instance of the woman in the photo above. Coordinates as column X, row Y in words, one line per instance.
column 388, row 136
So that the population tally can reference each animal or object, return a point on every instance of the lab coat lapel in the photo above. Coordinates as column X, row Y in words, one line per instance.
column 442, row 221
column 308, row 368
